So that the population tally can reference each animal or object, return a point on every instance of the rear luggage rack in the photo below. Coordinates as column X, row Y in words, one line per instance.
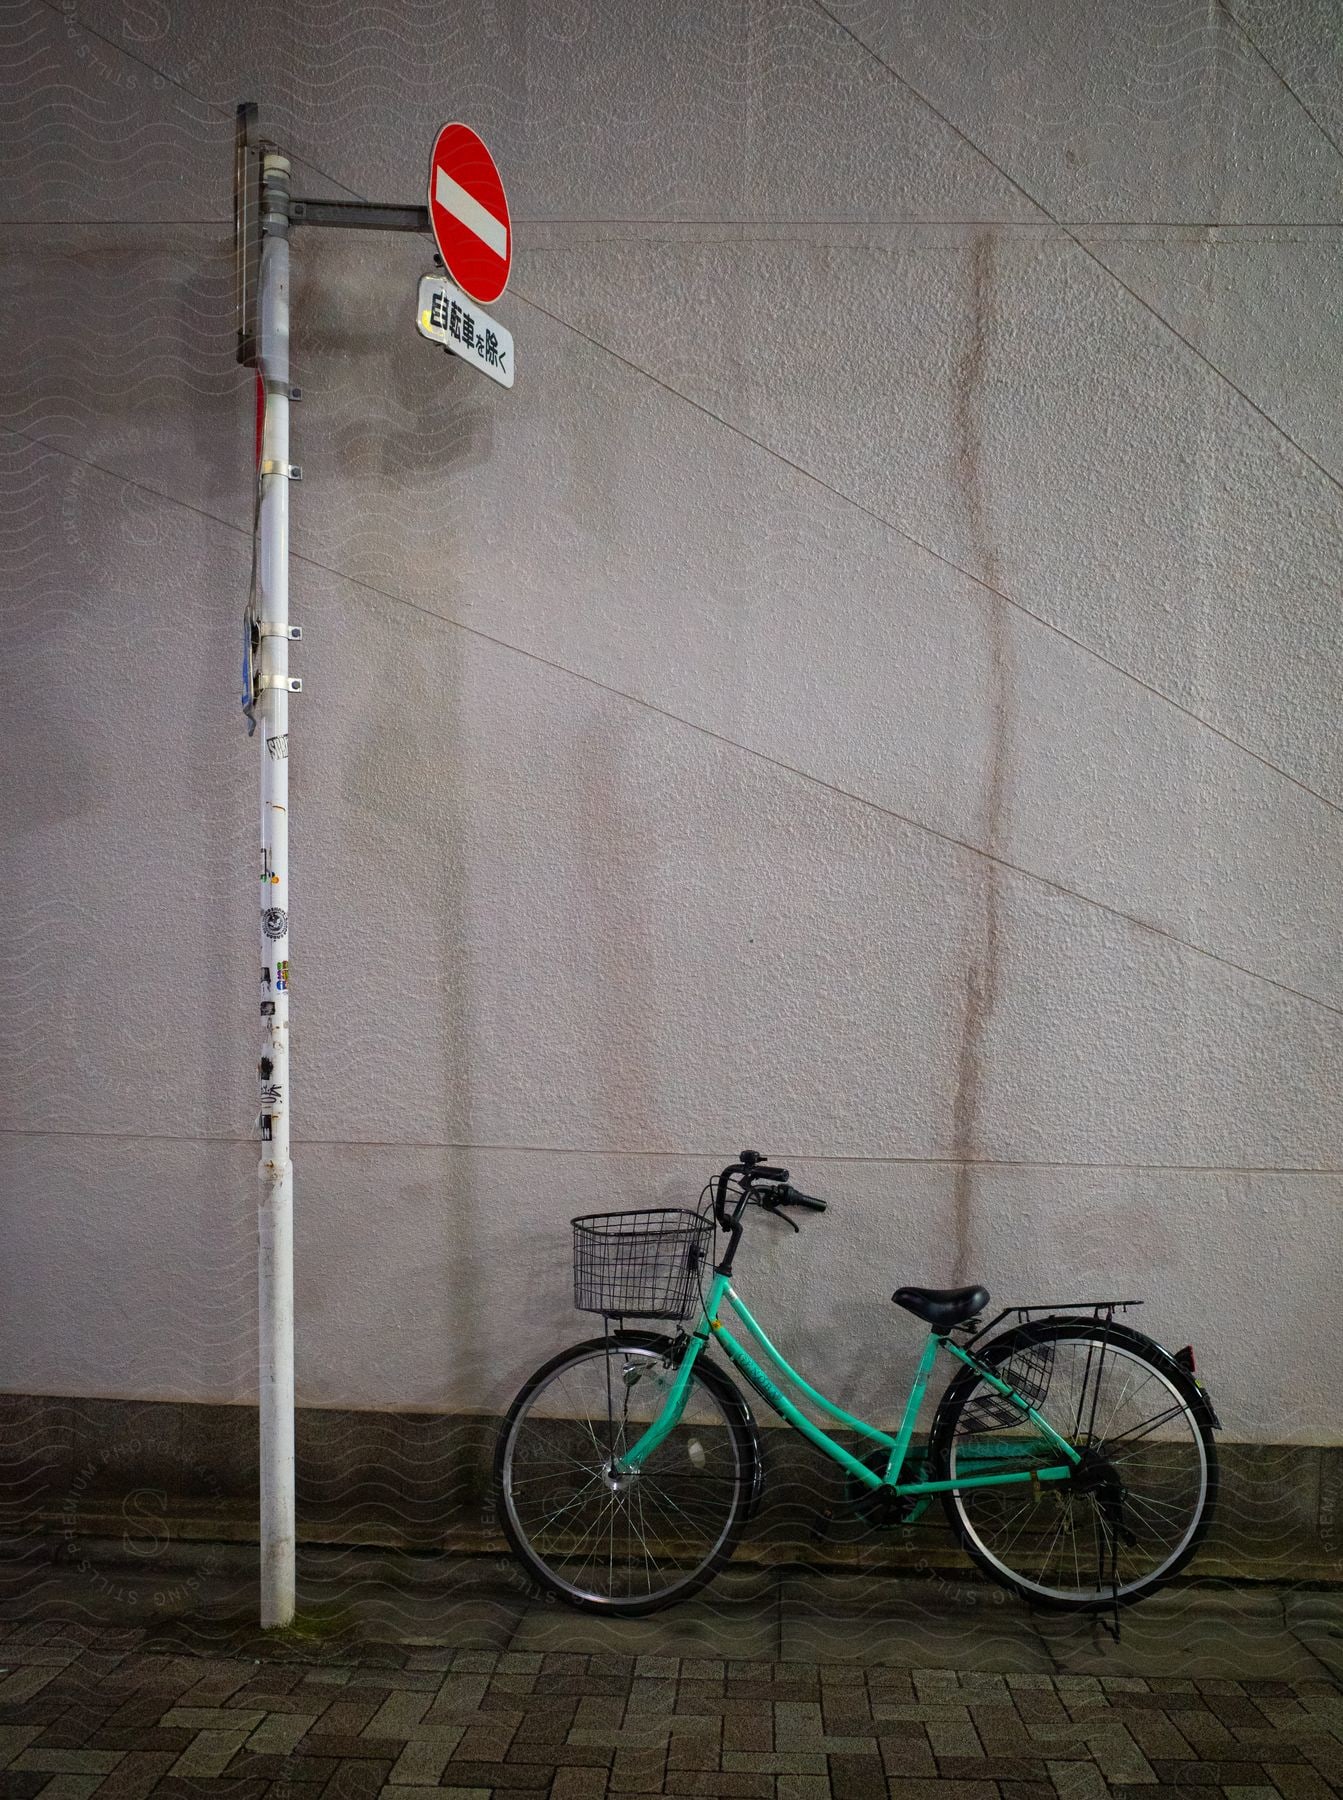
column 1102, row 1310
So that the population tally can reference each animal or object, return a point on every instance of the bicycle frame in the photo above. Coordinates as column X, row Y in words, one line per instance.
column 710, row 1322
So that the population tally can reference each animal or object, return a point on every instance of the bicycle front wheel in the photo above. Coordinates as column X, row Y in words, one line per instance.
column 1140, row 1500
column 613, row 1543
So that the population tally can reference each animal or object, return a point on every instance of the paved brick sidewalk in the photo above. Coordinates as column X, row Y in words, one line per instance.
column 87, row 1712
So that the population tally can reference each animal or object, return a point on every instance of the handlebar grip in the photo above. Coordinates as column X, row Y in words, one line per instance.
column 772, row 1199
column 762, row 1173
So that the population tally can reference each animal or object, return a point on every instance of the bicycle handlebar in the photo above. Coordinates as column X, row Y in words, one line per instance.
column 746, row 1171
column 749, row 1169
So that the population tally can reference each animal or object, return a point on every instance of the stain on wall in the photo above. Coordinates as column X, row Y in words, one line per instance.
column 971, row 373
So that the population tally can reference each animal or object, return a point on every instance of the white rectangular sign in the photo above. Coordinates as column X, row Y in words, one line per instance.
column 445, row 316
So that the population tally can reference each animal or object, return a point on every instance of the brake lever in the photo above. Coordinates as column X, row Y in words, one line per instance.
column 774, row 1206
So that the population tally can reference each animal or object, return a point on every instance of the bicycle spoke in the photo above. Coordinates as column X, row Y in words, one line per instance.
column 1137, row 1432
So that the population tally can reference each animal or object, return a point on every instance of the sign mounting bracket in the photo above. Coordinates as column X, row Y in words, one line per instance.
column 360, row 215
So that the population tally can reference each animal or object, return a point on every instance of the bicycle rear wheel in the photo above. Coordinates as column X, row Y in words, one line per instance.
column 1138, row 1505
column 631, row 1544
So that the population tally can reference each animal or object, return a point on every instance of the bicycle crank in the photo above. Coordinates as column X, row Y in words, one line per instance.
column 880, row 1507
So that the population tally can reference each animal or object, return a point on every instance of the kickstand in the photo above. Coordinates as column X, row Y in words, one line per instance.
column 1110, row 1620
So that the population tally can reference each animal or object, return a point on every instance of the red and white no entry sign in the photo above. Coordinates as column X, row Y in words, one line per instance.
column 469, row 214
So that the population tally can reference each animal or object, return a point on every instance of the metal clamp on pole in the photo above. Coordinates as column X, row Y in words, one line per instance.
column 269, row 466
column 287, row 684
column 274, row 628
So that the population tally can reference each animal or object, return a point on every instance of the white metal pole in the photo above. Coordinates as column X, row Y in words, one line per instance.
column 275, row 1210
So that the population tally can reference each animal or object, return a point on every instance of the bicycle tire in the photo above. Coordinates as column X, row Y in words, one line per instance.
column 744, row 1486
column 967, row 1388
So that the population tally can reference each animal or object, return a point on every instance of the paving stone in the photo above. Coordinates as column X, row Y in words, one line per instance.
column 373, row 1749
column 1078, row 1781
column 360, row 1780
column 23, row 1684
column 992, row 1768
column 303, row 1773
column 803, row 1787
column 797, row 1725
column 518, row 1662
column 216, row 1682
column 1117, row 1756
column 70, row 1787
column 578, row 1784
column 954, row 1737
column 1156, row 1734
column 751, row 1730
column 696, row 1744
column 69, row 1762
column 575, row 1756
column 854, row 1777
column 212, row 1718
column 777, row 1762
column 907, row 1755
column 640, row 1734
column 520, row 1778
column 846, row 1706
column 1000, row 1729
column 901, row 1789
column 14, row 1738
column 1298, row 1781
column 1214, row 1774
column 398, row 1715
column 17, row 1785
column 136, row 1774
column 279, row 1733
column 611, row 1663
column 504, row 1689
column 209, row 1753
column 733, row 1786
column 652, row 1696
column 637, row 1771
column 347, row 1716
column 424, row 1759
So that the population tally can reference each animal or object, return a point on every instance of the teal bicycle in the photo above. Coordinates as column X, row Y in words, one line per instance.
column 1073, row 1455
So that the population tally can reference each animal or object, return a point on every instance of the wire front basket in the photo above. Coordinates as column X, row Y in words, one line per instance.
column 1028, row 1371
column 641, row 1264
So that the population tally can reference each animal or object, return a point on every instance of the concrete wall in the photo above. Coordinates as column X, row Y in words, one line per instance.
column 869, row 692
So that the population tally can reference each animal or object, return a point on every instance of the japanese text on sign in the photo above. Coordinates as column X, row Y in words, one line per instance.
column 452, row 317
column 447, row 317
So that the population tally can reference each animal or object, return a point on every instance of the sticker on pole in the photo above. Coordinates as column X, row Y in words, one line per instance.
column 445, row 316
column 469, row 214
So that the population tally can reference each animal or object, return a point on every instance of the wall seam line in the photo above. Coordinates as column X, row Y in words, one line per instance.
column 695, row 1152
